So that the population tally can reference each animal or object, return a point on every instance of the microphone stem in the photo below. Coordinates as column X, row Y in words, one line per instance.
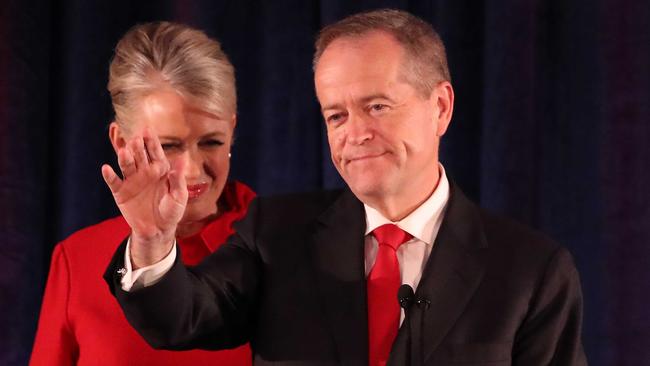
column 416, row 335
column 421, row 354
column 407, row 319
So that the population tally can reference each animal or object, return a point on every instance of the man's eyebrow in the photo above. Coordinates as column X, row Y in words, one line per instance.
column 372, row 97
column 362, row 100
column 332, row 106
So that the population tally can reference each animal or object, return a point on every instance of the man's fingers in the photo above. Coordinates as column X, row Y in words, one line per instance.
column 110, row 177
column 159, row 164
column 177, row 184
column 139, row 153
column 154, row 149
column 126, row 162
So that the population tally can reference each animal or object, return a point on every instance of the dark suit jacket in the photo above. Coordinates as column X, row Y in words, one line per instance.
column 292, row 282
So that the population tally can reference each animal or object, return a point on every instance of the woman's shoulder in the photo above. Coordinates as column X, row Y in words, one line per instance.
column 94, row 239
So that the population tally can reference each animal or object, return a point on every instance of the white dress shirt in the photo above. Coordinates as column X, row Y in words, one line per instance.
column 145, row 276
column 423, row 224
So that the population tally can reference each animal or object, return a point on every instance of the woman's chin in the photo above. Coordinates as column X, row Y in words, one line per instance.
column 195, row 213
column 191, row 223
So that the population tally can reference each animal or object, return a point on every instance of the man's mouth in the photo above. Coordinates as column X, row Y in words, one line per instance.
column 364, row 157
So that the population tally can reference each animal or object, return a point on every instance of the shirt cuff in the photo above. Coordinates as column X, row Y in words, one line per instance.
column 146, row 276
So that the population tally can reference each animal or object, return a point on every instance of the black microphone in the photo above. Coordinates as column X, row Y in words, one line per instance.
column 405, row 296
column 414, row 342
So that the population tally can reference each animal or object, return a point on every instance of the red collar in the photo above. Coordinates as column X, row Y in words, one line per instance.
column 233, row 204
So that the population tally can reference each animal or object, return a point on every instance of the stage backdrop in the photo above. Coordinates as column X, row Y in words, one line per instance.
column 551, row 127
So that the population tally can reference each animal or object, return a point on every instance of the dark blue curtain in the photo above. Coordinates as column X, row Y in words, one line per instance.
column 551, row 127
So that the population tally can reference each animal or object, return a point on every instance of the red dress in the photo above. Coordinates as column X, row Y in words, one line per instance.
column 82, row 324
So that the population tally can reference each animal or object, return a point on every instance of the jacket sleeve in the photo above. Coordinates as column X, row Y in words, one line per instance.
column 208, row 306
column 550, row 333
column 55, row 343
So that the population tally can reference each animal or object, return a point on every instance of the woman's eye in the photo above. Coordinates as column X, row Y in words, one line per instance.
column 170, row 146
column 211, row 143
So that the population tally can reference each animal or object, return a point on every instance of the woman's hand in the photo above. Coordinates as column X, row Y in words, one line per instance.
column 151, row 196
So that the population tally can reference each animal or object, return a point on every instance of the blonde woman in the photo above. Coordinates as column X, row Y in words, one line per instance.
column 173, row 86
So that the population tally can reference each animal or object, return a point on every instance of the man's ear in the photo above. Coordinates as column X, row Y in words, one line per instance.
column 116, row 135
column 443, row 96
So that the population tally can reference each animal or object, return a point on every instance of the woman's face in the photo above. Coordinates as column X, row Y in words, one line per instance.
column 186, row 132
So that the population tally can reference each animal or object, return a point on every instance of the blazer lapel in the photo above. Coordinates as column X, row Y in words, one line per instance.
column 337, row 255
column 452, row 273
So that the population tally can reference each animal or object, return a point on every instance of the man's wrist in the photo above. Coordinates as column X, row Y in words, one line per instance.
column 145, row 252
column 134, row 279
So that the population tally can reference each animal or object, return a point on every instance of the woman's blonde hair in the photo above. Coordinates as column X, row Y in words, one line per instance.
column 163, row 54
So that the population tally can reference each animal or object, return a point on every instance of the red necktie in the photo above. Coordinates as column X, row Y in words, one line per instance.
column 383, row 282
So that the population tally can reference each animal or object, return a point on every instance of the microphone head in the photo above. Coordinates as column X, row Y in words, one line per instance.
column 405, row 296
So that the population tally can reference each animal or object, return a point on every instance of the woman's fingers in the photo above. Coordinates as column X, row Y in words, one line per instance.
column 110, row 177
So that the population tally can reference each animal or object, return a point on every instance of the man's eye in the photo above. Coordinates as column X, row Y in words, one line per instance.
column 334, row 118
column 378, row 107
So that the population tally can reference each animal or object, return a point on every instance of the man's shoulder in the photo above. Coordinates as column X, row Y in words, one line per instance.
column 508, row 243
column 294, row 212
column 496, row 231
column 287, row 220
column 304, row 198
column 514, row 236
column 522, row 251
column 304, row 206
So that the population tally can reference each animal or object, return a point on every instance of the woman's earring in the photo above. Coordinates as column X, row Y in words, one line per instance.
column 229, row 155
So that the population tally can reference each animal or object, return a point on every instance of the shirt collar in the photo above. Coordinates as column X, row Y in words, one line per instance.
column 420, row 223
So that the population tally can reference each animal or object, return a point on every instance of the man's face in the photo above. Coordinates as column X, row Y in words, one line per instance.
column 383, row 134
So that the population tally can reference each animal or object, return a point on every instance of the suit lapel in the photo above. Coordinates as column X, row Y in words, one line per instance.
column 451, row 276
column 452, row 273
column 337, row 254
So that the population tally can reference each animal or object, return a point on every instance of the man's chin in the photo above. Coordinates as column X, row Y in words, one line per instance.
column 368, row 190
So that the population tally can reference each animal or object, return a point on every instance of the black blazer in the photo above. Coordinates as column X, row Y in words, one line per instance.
column 292, row 282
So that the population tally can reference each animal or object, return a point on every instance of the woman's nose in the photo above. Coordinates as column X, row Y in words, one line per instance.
column 193, row 164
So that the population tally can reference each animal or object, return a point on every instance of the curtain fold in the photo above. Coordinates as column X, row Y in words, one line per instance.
column 551, row 127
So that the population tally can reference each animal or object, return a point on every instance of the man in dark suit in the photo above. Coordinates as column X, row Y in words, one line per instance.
column 313, row 279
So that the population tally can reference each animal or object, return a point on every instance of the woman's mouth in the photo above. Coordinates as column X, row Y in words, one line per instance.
column 194, row 191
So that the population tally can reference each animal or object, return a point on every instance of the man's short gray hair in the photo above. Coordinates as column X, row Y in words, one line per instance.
column 426, row 59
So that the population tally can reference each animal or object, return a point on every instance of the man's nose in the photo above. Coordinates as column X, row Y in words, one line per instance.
column 359, row 128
